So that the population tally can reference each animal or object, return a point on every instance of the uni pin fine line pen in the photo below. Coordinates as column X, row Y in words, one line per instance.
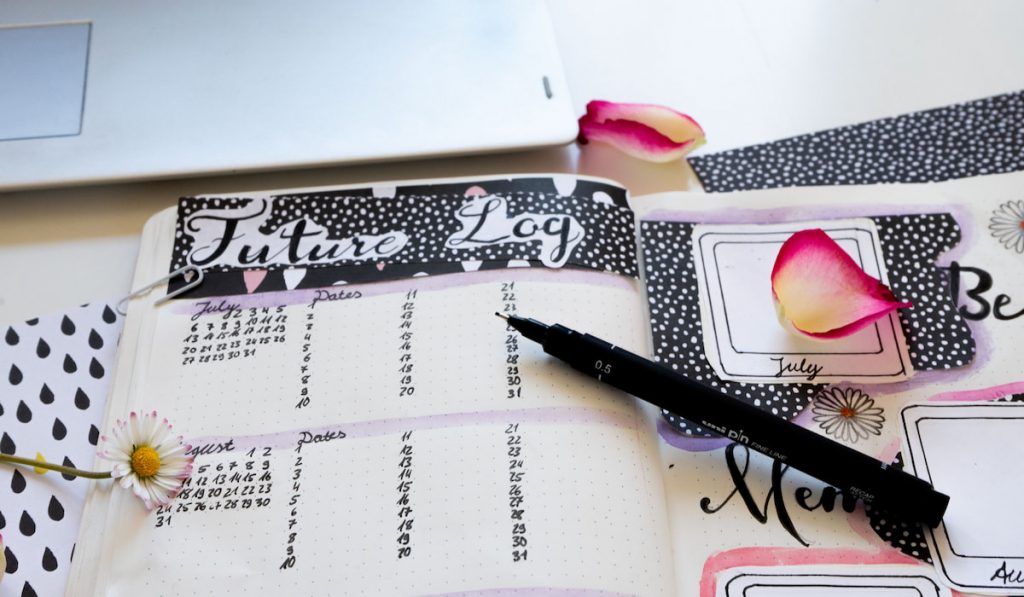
column 850, row 471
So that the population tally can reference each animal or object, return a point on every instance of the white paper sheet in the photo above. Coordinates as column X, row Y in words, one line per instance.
column 973, row 452
column 484, row 466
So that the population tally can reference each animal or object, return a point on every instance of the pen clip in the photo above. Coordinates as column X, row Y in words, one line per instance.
column 183, row 272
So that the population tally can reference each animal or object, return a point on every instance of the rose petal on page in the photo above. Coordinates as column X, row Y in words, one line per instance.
column 821, row 290
column 645, row 131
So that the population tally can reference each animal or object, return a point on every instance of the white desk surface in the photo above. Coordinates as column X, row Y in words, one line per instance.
column 748, row 71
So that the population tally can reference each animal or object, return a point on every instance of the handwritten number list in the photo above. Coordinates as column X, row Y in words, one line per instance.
column 235, row 334
column 405, row 389
column 513, row 439
column 239, row 483
column 307, row 356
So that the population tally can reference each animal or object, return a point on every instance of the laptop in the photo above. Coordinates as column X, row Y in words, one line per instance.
column 118, row 90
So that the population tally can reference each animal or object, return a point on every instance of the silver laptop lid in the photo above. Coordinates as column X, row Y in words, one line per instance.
column 128, row 89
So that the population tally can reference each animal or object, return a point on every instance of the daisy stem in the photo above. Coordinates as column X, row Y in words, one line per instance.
column 64, row 470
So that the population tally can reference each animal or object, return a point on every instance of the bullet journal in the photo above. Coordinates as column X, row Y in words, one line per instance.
column 361, row 424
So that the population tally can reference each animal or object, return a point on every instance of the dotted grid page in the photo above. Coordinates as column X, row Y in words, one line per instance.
column 397, row 438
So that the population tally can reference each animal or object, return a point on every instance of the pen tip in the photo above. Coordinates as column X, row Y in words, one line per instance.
column 505, row 317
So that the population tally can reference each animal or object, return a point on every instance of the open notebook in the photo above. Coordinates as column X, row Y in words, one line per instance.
column 363, row 424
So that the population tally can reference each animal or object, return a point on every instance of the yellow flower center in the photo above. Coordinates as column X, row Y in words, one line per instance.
column 145, row 462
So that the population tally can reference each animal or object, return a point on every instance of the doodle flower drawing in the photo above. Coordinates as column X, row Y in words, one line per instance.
column 847, row 414
column 1007, row 225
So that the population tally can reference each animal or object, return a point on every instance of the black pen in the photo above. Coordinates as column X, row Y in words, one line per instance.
column 852, row 472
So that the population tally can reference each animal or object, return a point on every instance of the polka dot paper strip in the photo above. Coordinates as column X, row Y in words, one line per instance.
column 535, row 222
column 984, row 136
column 937, row 336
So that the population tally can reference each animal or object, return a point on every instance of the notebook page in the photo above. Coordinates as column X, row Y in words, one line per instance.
column 392, row 436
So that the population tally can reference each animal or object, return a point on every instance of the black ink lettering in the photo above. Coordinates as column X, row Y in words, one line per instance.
column 983, row 285
column 1008, row 576
column 774, row 495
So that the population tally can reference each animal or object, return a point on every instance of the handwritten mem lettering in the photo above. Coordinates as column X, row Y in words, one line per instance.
column 233, row 238
column 738, row 463
column 485, row 222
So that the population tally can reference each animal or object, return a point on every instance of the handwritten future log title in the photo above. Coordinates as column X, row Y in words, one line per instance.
column 234, row 237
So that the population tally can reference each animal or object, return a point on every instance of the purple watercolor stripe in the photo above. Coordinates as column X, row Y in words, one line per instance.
column 438, row 282
column 532, row 591
column 379, row 427
column 689, row 443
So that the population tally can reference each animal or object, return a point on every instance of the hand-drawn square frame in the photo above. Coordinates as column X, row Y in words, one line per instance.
column 715, row 324
column 926, row 474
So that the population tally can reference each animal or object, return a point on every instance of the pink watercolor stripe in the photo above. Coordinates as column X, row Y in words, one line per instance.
column 982, row 394
column 792, row 556
column 375, row 428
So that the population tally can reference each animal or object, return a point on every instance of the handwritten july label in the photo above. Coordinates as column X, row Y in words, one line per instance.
column 234, row 238
column 223, row 308
column 803, row 367
column 485, row 222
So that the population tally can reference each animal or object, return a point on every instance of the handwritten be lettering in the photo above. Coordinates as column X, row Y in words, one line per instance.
column 999, row 307
column 233, row 238
column 485, row 222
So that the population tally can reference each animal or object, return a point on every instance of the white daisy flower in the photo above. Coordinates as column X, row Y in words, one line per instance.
column 147, row 458
column 1007, row 225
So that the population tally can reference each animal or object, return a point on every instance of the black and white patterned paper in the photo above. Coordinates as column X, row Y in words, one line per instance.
column 908, row 537
column 937, row 335
column 984, row 136
column 426, row 215
column 56, row 373
column 678, row 334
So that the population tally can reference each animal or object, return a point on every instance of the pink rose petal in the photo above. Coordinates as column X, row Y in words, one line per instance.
column 645, row 131
column 822, row 291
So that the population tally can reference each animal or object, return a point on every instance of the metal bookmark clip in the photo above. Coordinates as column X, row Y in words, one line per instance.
column 189, row 270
